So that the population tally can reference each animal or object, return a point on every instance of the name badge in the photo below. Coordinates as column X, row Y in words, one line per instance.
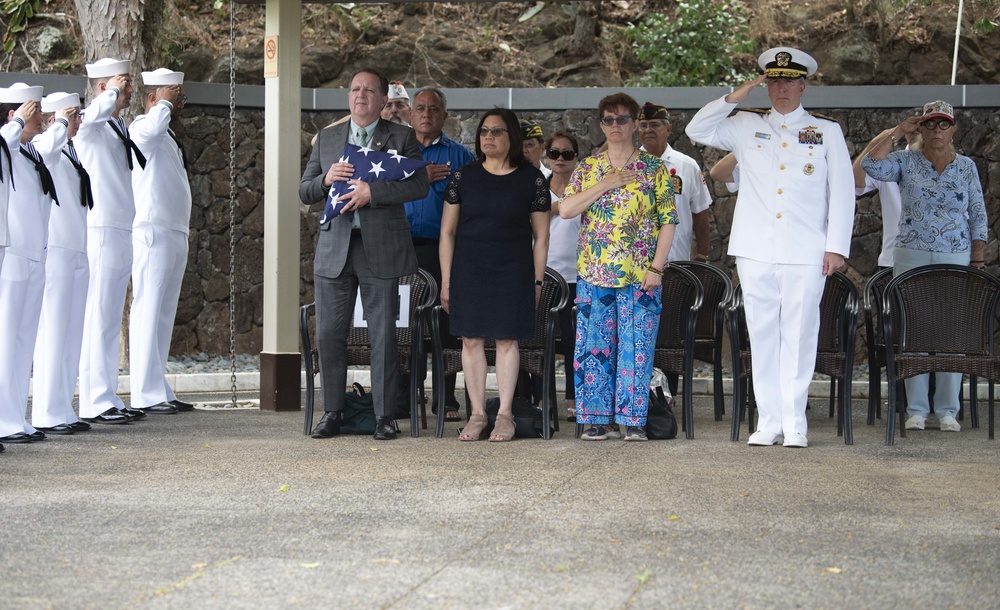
column 762, row 136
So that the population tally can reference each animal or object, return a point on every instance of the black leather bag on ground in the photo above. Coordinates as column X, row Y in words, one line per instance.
column 660, row 421
column 358, row 416
column 527, row 418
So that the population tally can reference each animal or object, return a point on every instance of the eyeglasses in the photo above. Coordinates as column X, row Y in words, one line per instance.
column 567, row 155
column 608, row 121
column 496, row 132
column 651, row 125
column 943, row 125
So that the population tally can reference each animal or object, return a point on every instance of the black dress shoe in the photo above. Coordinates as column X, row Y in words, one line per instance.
column 163, row 408
column 329, row 426
column 180, row 405
column 111, row 416
column 17, row 438
column 385, row 429
column 133, row 413
column 80, row 426
column 37, row 435
column 2, row 449
column 60, row 429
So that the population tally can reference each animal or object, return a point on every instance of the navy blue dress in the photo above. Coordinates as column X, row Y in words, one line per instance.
column 492, row 270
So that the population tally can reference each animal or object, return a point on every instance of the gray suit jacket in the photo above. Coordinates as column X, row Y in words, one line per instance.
column 385, row 231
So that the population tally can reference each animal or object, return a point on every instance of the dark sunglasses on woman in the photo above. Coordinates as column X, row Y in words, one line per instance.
column 567, row 155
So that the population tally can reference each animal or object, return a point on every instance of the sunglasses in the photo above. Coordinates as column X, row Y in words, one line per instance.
column 608, row 121
column 567, row 155
column 943, row 125
column 651, row 125
column 495, row 131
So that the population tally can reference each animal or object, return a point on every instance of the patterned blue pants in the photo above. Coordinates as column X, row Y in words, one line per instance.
column 613, row 361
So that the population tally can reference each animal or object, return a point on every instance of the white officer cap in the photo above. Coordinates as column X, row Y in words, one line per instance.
column 108, row 67
column 55, row 102
column 786, row 62
column 397, row 91
column 161, row 77
column 19, row 93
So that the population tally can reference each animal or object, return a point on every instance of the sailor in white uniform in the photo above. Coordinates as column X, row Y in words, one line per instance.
column 22, row 279
column 159, row 239
column 108, row 154
column 792, row 227
column 10, row 139
column 60, row 329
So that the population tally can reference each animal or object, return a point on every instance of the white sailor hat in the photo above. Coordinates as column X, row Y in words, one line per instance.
column 108, row 67
column 55, row 102
column 786, row 62
column 161, row 77
column 397, row 91
column 19, row 93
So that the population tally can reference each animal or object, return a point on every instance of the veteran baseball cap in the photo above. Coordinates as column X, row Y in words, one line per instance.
column 531, row 129
column 939, row 109
column 653, row 111
column 397, row 91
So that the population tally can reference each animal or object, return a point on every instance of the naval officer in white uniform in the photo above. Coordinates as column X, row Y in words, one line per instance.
column 22, row 279
column 159, row 240
column 792, row 227
column 108, row 154
column 60, row 329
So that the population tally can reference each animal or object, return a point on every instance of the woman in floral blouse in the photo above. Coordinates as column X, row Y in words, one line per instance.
column 627, row 202
column 943, row 220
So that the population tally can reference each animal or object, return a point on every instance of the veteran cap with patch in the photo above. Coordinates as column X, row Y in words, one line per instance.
column 397, row 91
column 786, row 62
column 531, row 129
column 939, row 109
column 651, row 111
column 19, row 93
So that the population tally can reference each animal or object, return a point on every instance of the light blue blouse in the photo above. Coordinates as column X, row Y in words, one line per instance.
column 940, row 213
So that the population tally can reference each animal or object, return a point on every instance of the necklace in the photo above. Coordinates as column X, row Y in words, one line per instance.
column 618, row 169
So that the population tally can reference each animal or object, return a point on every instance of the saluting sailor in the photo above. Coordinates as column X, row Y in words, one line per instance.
column 60, row 329
column 108, row 153
column 159, row 240
column 792, row 227
column 22, row 279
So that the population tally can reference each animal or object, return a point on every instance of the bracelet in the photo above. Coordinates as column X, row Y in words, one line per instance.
column 701, row 258
column 894, row 140
column 538, row 282
column 655, row 271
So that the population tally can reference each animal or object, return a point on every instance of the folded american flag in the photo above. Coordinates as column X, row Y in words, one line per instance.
column 371, row 166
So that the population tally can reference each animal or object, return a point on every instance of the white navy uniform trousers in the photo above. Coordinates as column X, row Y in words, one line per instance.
column 22, row 279
column 796, row 202
column 60, row 329
column 160, row 246
column 109, row 253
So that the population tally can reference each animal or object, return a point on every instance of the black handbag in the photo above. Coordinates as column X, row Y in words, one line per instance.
column 358, row 416
column 660, row 421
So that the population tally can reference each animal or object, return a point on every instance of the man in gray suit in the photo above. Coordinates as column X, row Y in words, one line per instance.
column 367, row 245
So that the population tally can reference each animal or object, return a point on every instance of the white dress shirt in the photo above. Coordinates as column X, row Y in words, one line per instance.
column 692, row 199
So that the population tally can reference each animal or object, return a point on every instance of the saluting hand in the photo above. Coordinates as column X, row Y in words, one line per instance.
column 743, row 91
column 28, row 110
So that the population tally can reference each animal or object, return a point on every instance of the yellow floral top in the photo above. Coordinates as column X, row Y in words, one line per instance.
column 618, row 235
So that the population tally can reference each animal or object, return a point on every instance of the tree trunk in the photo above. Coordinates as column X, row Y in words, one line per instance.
column 123, row 29
column 584, row 28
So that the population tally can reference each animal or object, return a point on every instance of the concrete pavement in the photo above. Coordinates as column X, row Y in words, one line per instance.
column 237, row 509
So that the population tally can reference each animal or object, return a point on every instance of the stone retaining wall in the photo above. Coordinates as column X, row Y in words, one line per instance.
column 203, row 317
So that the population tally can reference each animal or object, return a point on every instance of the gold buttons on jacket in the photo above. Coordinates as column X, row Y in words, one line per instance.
column 778, row 215
column 781, row 166
column 784, row 144
column 779, row 191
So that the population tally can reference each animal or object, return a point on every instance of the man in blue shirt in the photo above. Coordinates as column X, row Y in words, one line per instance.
column 446, row 155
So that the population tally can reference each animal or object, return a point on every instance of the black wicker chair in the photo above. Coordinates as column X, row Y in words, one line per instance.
column 537, row 355
column 412, row 348
column 718, row 292
column 874, row 336
column 939, row 318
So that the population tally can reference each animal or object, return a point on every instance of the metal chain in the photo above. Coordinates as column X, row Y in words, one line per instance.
column 232, row 196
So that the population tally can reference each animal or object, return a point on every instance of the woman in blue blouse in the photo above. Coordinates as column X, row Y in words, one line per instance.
column 943, row 220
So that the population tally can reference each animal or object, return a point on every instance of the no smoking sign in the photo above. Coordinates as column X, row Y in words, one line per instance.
column 271, row 57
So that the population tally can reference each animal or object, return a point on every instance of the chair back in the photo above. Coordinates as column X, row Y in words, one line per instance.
column 739, row 338
column 681, row 297
column 554, row 296
column 838, row 314
column 718, row 291
column 941, row 310
column 423, row 293
column 873, row 297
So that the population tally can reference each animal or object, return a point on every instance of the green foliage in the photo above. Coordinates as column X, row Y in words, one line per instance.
column 694, row 47
column 18, row 13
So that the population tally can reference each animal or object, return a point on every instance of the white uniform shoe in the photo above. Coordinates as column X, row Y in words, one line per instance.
column 950, row 424
column 917, row 422
column 763, row 438
column 796, row 440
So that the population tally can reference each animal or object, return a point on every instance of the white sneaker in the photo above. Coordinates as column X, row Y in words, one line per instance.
column 949, row 424
column 763, row 438
column 796, row 440
column 916, row 422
